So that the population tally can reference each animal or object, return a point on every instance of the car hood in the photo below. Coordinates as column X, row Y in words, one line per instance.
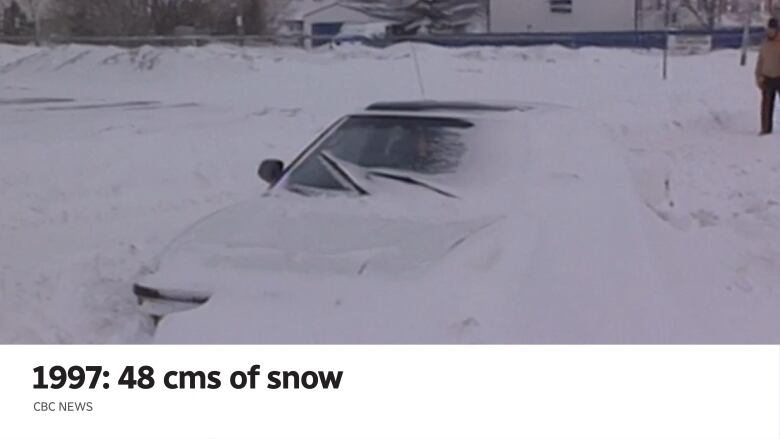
column 273, row 237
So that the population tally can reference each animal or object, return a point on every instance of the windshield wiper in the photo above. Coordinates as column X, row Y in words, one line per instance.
column 344, row 171
column 340, row 172
column 410, row 180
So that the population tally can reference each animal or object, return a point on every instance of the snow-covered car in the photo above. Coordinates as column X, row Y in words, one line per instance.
column 422, row 222
column 362, row 33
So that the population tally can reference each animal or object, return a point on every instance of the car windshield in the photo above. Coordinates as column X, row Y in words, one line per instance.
column 424, row 146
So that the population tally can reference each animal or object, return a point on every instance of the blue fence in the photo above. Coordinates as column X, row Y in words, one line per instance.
column 721, row 39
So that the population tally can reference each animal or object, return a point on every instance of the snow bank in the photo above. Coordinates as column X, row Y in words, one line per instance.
column 108, row 152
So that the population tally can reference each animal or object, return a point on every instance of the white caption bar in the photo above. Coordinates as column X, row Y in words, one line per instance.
column 398, row 391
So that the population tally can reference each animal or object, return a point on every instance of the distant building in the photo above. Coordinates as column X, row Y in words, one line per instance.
column 621, row 15
column 562, row 15
column 320, row 19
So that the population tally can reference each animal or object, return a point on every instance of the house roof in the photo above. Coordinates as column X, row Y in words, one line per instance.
column 299, row 9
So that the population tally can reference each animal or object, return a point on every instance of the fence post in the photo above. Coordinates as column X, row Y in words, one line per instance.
column 667, row 16
column 746, row 33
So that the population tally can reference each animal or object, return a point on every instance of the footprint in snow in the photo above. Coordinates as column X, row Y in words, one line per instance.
column 760, row 207
column 705, row 218
column 466, row 325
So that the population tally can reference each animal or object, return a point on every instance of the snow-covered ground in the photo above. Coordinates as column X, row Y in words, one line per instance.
column 106, row 153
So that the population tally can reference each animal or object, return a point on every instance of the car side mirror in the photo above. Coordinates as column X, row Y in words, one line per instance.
column 271, row 170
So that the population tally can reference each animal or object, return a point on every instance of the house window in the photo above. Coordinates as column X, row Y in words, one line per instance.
column 561, row 6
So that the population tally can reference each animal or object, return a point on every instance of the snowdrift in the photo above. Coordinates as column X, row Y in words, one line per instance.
column 108, row 152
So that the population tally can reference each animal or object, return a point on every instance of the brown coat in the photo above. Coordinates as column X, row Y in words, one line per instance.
column 768, row 64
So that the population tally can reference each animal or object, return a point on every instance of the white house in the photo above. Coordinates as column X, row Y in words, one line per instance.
column 562, row 15
column 321, row 19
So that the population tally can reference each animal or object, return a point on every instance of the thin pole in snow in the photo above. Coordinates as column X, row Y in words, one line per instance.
column 746, row 33
column 420, row 82
column 667, row 13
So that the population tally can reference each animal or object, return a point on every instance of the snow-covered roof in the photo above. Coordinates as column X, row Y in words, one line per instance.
column 298, row 9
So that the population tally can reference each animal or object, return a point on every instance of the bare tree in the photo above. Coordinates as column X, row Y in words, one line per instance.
column 160, row 17
column 104, row 17
column 706, row 12
column 433, row 15
column 13, row 16
column 35, row 9
column 274, row 13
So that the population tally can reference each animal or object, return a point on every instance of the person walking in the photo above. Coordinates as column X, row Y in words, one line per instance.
column 768, row 75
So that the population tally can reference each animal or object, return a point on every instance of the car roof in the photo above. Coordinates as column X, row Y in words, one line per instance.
column 464, row 109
